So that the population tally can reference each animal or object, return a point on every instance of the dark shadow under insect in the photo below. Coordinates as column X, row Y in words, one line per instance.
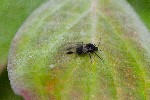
column 83, row 49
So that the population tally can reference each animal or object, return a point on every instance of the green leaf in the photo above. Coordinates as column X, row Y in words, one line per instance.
column 12, row 15
column 40, row 69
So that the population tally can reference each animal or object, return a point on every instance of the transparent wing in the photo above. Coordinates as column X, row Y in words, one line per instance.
column 63, row 56
column 70, row 47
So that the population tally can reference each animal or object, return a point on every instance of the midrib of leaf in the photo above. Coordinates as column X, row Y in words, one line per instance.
column 94, row 11
column 107, row 66
column 91, row 76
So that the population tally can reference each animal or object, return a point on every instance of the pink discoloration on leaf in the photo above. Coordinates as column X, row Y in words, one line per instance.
column 27, row 95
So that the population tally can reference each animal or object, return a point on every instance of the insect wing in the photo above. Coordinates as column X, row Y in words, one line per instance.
column 64, row 52
column 70, row 47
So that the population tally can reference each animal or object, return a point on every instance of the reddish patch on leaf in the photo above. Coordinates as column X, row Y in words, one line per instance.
column 51, row 88
column 27, row 95
column 51, row 85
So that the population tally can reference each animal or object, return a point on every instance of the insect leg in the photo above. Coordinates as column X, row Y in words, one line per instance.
column 99, row 42
column 90, row 56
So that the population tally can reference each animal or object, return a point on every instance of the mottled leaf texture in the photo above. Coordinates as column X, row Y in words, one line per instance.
column 39, row 68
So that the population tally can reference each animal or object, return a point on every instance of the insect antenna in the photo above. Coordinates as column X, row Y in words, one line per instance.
column 98, row 55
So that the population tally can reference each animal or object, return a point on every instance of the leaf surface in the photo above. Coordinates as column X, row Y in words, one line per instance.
column 38, row 69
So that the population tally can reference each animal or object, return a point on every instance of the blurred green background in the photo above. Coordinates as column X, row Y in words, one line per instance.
column 12, row 15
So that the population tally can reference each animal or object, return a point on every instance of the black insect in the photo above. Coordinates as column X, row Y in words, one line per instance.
column 82, row 49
